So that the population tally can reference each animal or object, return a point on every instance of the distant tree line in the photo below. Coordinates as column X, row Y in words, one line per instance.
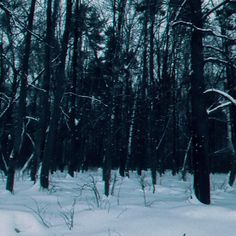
column 118, row 84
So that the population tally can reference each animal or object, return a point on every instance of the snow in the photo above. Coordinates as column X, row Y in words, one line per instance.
column 77, row 206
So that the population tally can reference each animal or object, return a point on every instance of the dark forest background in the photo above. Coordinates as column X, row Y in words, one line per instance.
column 118, row 84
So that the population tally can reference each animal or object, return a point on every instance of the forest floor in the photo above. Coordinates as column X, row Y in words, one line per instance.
column 77, row 207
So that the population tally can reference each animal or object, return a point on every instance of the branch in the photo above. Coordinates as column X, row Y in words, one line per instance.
column 43, row 70
column 185, row 159
column 64, row 113
column 21, row 24
column 26, row 165
column 224, row 94
column 163, row 134
column 214, row 48
column 209, row 111
column 88, row 97
column 32, row 118
column 215, row 8
column 209, row 31
column 214, row 59
column 37, row 88
column 179, row 10
column 4, row 162
column 6, row 108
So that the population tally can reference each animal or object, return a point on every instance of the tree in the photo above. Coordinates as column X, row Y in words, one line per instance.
column 59, row 90
column 199, row 115
column 21, row 110
column 73, row 130
column 226, row 26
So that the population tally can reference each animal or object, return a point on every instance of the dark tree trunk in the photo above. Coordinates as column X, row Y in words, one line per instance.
column 60, row 83
column 231, row 73
column 231, row 83
column 152, row 98
column 113, row 142
column 73, row 132
column 125, row 123
column 2, row 70
column 21, row 110
column 40, row 134
column 199, row 116
column 175, row 162
column 141, row 120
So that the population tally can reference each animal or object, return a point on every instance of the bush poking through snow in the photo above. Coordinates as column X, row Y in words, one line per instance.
column 92, row 187
column 40, row 212
column 68, row 214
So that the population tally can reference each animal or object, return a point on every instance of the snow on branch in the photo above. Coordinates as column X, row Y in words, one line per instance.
column 225, row 95
column 217, row 60
column 209, row 31
column 209, row 111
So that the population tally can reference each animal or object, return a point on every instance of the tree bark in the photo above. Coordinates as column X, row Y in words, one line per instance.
column 199, row 115
column 44, row 98
column 231, row 83
column 73, row 131
column 21, row 109
column 54, row 119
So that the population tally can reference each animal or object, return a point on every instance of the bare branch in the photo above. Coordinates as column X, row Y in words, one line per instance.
column 32, row 118
column 209, row 111
column 64, row 113
column 180, row 9
column 35, row 87
column 224, row 94
column 185, row 159
column 43, row 70
column 26, row 165
column 21, row 24
column 163, row 134
column 209, row 31
column 214, row 48
column 5, row 110
column 217, row 60
column 88, row 97
column 4, row 162
column 215, row 8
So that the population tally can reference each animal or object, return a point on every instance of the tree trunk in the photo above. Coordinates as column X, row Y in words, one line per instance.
column 40, row 135
column 231, row 83
column 53, row 124
column 231, row 73
column 73, row 131
column 199, row 115
column 21, row 110
column 141, row 129
column 2, row 70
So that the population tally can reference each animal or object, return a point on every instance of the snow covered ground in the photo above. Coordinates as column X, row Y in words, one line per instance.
column 76, row 206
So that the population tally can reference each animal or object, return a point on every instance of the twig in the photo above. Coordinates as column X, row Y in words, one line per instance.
column 40, row 212
column 87, row 97
column 214, row 9
column 68, row 215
